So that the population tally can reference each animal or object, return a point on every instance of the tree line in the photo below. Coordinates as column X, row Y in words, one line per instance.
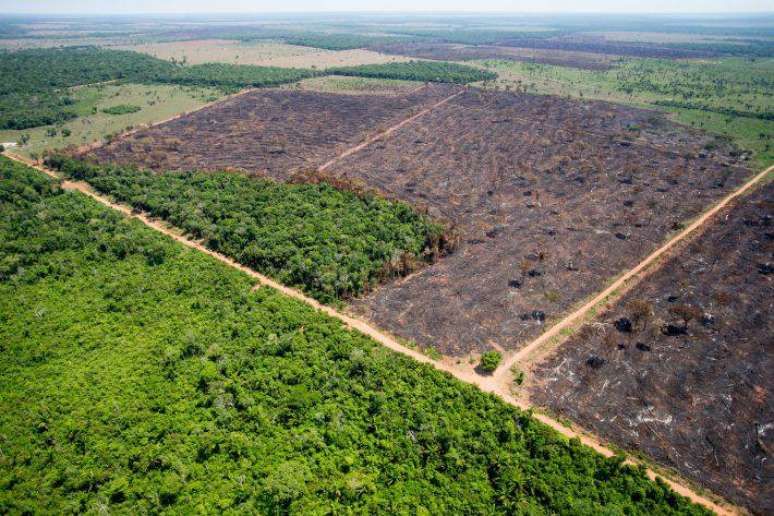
column 332, row 244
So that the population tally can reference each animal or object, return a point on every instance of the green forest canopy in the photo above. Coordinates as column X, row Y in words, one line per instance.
column 137, row 375
column 331, row 243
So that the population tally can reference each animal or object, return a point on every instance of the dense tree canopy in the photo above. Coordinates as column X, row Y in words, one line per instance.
column 139, row 376
column 331, row 243
column 430, row 71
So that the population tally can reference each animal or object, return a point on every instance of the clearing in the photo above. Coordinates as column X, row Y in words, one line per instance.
column 680, row 366
column 269, row 132
column 261, row 53
column 552, row 198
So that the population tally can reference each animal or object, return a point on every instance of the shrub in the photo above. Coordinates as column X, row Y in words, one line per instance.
column 490, row 360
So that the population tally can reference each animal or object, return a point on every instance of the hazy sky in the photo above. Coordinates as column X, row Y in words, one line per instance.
column 207, row 6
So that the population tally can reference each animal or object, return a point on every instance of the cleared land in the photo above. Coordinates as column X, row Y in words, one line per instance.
column 680, row 367
column 200, row 394
column 261, row 54
column 552, row 198
column 732, row 97
column 157, row 102
column 458, row 52
column 273, row 132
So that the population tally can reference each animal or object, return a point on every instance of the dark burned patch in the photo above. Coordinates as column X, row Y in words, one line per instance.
column 693, row 378
column 271, row 132
column 509, row 189
column 455, row 52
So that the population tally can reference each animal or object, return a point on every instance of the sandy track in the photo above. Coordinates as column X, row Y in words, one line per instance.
column 492, row 384
column 386, row 132
column 627, row 279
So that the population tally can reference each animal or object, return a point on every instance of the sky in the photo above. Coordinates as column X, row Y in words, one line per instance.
column 517, row 6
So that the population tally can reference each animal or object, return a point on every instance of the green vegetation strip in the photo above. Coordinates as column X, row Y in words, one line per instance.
column 231, row 77
column 138, row 376
column 430, row 71
column 330, row 243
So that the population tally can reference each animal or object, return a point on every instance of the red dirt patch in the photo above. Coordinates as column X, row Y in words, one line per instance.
column 693, row 395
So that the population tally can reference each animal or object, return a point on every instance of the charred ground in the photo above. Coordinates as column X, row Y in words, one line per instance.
column 269, row 132
column 680, row 367
column 552, row 198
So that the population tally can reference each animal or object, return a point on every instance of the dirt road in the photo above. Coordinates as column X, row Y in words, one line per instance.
column 386, row 132
column 501, row 375
column 493, row 384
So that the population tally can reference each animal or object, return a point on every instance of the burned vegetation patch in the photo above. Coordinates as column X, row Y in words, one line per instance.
column 459, row 52
column 270, row 132
column 686, row 361
column 551, row 197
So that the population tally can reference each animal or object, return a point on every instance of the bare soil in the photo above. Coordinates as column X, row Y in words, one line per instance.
column 457, row 52
column 268, row 132
column 552, row 197
column 681, row 367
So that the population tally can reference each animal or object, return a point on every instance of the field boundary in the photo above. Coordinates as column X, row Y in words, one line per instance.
column 487, row 384
column 371, row 139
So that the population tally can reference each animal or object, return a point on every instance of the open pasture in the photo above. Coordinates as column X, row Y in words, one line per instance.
column 156, row 102
column 552, row 198
column 260, row 53
column 680, row 367
column 270, row 132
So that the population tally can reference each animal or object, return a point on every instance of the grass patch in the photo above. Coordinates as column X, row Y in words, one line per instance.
column 93, row 125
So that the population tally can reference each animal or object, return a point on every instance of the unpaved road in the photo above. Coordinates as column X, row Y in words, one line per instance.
column 494, row 384
column 501, row 375
column 386, row 132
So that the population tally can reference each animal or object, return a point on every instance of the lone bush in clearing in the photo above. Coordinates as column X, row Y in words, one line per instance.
column 490, row 360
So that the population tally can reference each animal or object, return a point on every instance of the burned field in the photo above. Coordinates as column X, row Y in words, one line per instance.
column 680, row 368
column 551, row 197
column 459, row 52
column 269, row 132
